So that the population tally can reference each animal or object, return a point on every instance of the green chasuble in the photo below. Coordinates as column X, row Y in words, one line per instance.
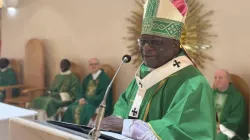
column 231, row 109
column 179, row 107
column 93, row 92
column 52, row 101
column 7, row 78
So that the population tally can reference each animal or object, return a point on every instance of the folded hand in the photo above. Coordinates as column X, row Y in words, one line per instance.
column 82, row 101
column 111, row 123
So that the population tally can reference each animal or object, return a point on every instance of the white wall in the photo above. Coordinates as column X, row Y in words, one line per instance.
column 80, row 29
column 74, row 29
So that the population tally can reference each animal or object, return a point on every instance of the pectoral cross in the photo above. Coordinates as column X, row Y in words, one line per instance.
column 134, row 112
column 176, row 63
column 140, row 84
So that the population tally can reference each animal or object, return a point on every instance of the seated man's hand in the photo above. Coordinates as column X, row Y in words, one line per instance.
column 218, row 128
column 111, row 123
column 82, row 101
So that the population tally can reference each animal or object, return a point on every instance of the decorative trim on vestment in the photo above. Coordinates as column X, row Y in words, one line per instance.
column 152, row 8
column 162, row 27
column 154, row 131
column 153, row 78
column 91, row 88
column 149, row 103
column 76, row 114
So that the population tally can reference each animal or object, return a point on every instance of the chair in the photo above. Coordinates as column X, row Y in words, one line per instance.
column 243, row 87
column 110, row 72
column 77, row 69
column 33, row 75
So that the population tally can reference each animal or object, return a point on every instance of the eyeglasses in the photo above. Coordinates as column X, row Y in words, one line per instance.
column 152, row 42
column 93, row 64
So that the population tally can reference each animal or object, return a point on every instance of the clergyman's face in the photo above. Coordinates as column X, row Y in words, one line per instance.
column 157, row 51
column 94, row 66
column 221, row 80
column 64, row 66
column 4, row 63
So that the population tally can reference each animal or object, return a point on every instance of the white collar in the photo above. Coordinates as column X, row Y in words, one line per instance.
column 5, row 69
column 66, row 72
column 95, row 75
column 162, row 72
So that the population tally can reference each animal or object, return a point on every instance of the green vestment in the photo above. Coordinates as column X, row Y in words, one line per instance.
column 180, row 107
column 231, row 109
column 93, row 92
column 7, row 78
column 52, row 101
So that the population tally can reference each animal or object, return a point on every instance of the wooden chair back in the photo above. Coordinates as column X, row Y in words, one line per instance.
column 78, row 70
column 34, row 65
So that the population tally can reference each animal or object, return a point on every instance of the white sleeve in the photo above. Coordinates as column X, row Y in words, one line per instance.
column 138, row 130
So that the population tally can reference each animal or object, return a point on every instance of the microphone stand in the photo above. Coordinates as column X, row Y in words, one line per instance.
column 96, row 133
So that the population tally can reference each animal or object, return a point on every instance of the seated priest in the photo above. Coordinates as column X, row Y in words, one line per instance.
column 230, row 107
column 92, row 92
column 7, row 78
column 61, row 93
column 169, row 98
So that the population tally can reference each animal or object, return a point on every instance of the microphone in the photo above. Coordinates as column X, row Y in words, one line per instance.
column 96, row 133
column 126, row 58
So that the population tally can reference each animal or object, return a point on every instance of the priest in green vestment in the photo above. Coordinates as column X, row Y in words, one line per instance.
column 169, row 98
column 90, row 97
column 61, row 93
column 231, row 108
column 7, row 78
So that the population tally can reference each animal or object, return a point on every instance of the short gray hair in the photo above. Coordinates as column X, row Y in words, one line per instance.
column 97, row 60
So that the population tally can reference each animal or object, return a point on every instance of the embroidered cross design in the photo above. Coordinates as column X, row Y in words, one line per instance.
column 134, row 112
column 140, row 84
column 176, row 63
